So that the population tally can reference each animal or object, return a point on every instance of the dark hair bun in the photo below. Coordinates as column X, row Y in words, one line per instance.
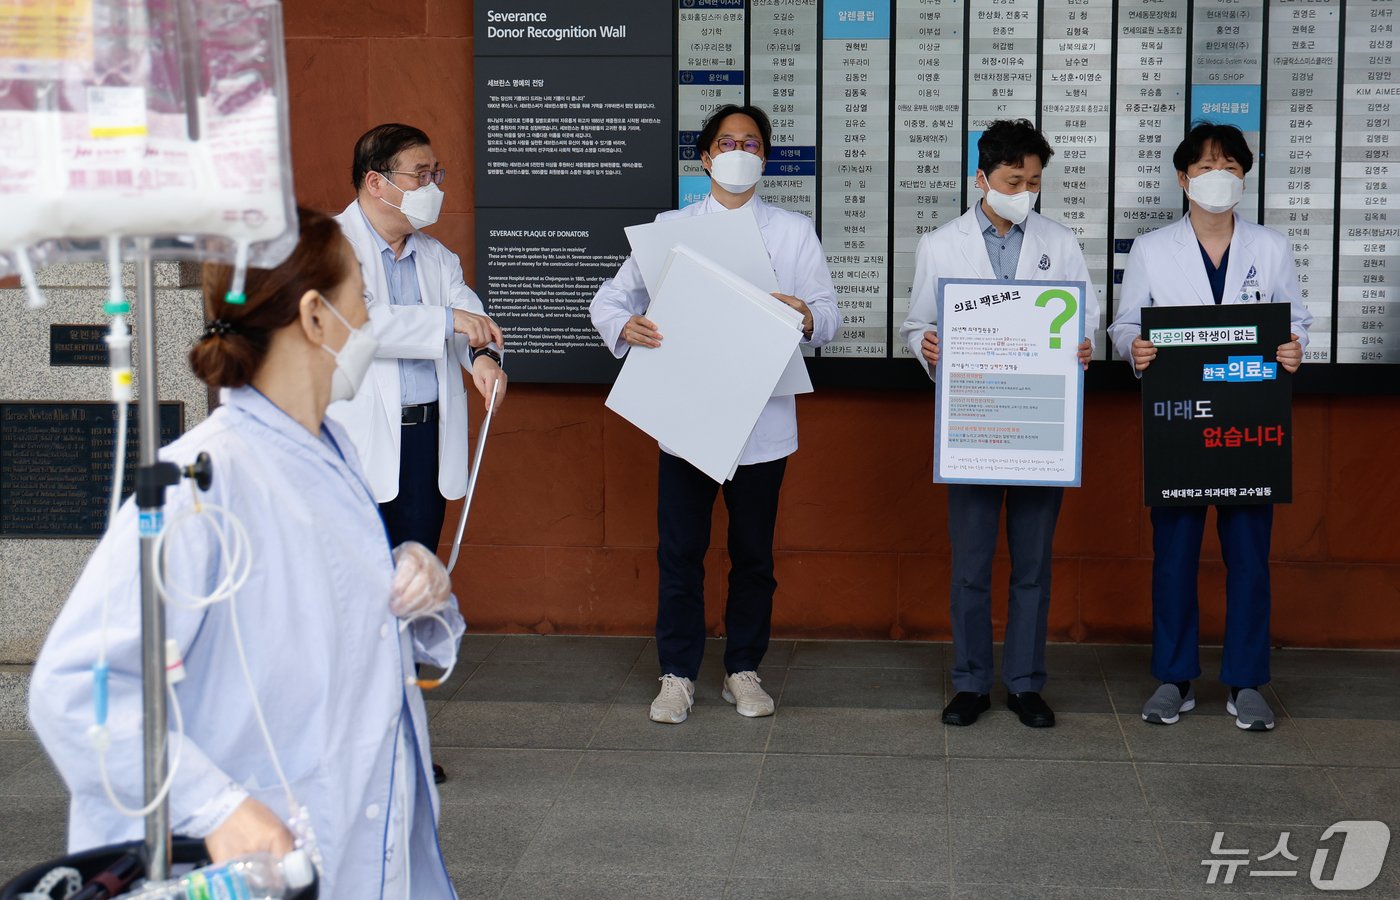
column 226, row 360
column 233, row 349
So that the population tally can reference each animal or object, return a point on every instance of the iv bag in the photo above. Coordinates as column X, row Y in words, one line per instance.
column 164, row 119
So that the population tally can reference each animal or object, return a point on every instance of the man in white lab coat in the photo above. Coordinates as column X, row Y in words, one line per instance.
column 409, row 423
column 1000, row 237
column 1211, row 255
column 733, row 145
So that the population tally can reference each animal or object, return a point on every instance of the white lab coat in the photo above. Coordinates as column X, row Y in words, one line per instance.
column 800, row 265
column 327, row 656
column 1165, row 269
column 374, row 418
column 1049, row 252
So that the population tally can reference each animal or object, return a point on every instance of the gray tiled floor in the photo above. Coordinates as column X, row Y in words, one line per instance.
column 562, row 788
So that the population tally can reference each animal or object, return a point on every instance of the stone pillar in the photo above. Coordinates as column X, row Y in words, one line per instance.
column 36, row 575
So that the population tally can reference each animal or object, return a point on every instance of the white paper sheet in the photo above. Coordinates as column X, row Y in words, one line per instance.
column 730, row 238
column 795, row 379
column 733, row 240
column 762, row 299
column 702, row 403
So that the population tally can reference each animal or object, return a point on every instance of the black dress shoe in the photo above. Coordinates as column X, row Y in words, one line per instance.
column 965, row 707
column 439, row 774
column 1032, row 709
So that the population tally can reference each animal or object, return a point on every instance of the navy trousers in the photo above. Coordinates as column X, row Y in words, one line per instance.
column 1176, row 617
column 416, row 513
column 684, row 504
column 974, row 512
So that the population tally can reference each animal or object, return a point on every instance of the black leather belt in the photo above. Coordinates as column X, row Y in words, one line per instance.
column 420, row 414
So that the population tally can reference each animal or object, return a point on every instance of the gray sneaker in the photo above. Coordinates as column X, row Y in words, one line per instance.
column 1166, row 704
column 1251, row 711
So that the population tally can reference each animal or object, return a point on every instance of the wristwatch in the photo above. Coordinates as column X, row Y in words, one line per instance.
column 486, row 352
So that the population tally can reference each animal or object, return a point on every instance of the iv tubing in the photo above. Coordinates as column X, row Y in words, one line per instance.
column 34, row 299
column 235, row 293
column 117, row 303
column 118, row 470
column 236, row 557
column 169, row 778
column 427, row 684
column 119, row 363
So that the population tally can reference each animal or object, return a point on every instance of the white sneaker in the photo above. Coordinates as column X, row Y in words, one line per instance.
column 673, row 704
column 748, row 698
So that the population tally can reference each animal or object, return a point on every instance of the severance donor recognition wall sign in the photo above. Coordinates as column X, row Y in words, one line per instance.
column 574, row 130
column 587, row 113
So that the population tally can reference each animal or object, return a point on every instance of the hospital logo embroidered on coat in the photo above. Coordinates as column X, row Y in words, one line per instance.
column 1044, row 262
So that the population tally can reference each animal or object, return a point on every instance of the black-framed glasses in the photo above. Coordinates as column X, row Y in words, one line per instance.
column 435, row 176
column 750, row 146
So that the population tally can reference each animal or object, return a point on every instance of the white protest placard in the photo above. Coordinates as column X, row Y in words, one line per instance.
column 699, row 403
column 1010, row 387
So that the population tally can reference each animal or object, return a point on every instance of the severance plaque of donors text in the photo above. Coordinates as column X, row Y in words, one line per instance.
column 1217, row 425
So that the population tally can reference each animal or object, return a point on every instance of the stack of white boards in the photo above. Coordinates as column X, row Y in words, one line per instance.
column 730, row 238
column 726, row 344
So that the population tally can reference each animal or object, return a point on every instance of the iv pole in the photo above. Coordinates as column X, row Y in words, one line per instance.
column 151, row 480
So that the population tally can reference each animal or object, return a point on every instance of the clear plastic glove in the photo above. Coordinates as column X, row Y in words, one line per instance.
column 421, row 584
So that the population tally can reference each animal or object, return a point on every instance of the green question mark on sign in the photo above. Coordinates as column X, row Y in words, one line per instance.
column 1071, row 307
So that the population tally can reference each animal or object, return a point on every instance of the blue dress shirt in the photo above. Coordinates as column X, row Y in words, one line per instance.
column 1004, row 251
column 417, row 377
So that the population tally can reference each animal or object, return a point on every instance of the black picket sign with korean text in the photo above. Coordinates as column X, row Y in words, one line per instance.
column 1217, row 423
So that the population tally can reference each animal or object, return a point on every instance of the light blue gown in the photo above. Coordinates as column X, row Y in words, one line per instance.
column 327, row 657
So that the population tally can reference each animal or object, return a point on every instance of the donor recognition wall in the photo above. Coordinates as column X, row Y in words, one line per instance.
column 586, row 116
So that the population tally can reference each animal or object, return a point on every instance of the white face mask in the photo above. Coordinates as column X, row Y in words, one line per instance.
column 736, row 170
column 421, row 206
column 353, row 358
column 1216, row 191
column 1012, row 207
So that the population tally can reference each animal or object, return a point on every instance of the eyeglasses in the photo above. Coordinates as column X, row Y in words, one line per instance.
column 750, row 146
column 435, row 176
